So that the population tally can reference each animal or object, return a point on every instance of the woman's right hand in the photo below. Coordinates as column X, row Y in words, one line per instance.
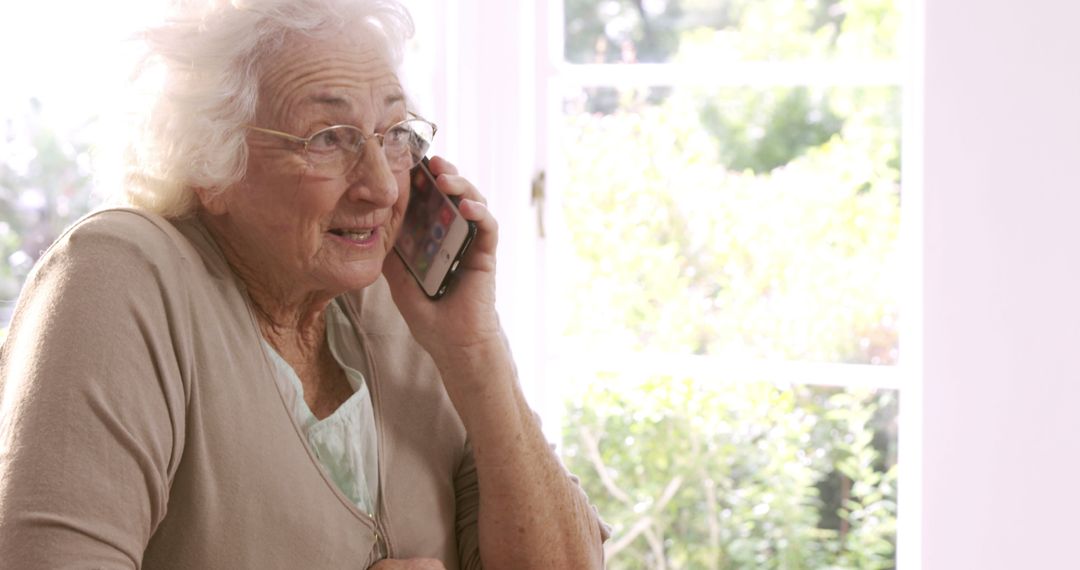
column 408, row 564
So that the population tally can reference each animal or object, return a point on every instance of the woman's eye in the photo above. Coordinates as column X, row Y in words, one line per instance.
column 325, row 140
column 397, row 136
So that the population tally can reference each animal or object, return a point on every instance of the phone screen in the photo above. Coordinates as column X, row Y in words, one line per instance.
column 433, row 235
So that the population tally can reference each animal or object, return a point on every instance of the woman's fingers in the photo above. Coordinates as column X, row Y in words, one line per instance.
column 487, row 235
column 476, row 211
column 439, row 165
column 459, row 186
column 449, row 182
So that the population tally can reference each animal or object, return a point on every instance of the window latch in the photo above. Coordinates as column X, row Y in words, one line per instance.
column 538, row 196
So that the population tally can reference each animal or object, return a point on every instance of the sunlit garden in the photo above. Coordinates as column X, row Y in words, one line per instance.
column 735, row 224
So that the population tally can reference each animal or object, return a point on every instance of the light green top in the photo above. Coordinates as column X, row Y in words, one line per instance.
column 344, row 441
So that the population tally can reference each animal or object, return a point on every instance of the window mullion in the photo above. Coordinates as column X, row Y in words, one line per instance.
column 720, row 369
column 743, row 74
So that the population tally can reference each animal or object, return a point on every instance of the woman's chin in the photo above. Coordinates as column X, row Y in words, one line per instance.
column 360, row 274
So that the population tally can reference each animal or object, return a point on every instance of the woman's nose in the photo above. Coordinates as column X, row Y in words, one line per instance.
column 372, row 180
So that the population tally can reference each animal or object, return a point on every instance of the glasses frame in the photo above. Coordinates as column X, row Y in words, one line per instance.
column 305, row 141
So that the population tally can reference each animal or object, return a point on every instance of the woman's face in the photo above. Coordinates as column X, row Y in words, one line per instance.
column 292, row 225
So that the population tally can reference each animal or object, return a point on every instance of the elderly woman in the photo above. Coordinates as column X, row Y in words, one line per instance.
column 234, row 373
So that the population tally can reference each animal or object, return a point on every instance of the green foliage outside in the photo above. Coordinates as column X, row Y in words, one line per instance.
column 677, row 253
column 713, row 31
column 735, row 476
column 747, row 224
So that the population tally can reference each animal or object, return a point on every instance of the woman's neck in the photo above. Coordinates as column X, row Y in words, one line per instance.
column 301, row 345
column 290, row 318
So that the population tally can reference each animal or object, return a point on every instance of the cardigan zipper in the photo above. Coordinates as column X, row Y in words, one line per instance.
column 382, row 538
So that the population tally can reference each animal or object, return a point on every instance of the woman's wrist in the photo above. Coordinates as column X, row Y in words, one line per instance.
column 481, row 381
column 482, row 354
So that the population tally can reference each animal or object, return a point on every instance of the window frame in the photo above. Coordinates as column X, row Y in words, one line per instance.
column 555, row 77
column 522, row 82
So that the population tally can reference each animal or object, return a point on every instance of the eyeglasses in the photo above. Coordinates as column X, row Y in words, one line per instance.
column 336, row 150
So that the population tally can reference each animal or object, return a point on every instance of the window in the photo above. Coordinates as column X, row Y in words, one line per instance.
column 51, row 112
column 723, row 261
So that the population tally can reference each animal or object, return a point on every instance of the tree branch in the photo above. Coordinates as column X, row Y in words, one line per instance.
column 592, row 449
column 668, row 494
column 657, row 547
column 714, row 524
column 611, row 549
column 644, row 524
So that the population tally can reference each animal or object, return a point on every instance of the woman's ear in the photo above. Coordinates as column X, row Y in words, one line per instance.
column 213, row 201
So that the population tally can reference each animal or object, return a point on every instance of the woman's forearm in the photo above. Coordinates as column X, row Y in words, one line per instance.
column 532, row 515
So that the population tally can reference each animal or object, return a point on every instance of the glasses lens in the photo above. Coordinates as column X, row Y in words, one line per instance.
column 335, row 150
column 406, row 143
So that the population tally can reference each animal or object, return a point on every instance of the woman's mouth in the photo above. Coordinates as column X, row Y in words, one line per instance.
column 354, row 235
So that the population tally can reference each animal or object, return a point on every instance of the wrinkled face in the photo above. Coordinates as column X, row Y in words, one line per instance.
column 318, row 232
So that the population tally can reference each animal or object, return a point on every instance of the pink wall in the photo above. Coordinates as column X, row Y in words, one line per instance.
column 1001, row 357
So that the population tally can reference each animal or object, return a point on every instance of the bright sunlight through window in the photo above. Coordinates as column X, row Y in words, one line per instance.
column 726, row 269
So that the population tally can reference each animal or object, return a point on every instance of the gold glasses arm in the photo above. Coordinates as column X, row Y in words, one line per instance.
column 293, row 138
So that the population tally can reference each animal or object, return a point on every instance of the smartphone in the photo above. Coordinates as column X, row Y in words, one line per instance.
column 433, row 236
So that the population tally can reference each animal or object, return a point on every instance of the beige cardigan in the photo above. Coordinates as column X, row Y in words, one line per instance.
column 140, row 426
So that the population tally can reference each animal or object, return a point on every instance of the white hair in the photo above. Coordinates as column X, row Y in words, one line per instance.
column 205, row 61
